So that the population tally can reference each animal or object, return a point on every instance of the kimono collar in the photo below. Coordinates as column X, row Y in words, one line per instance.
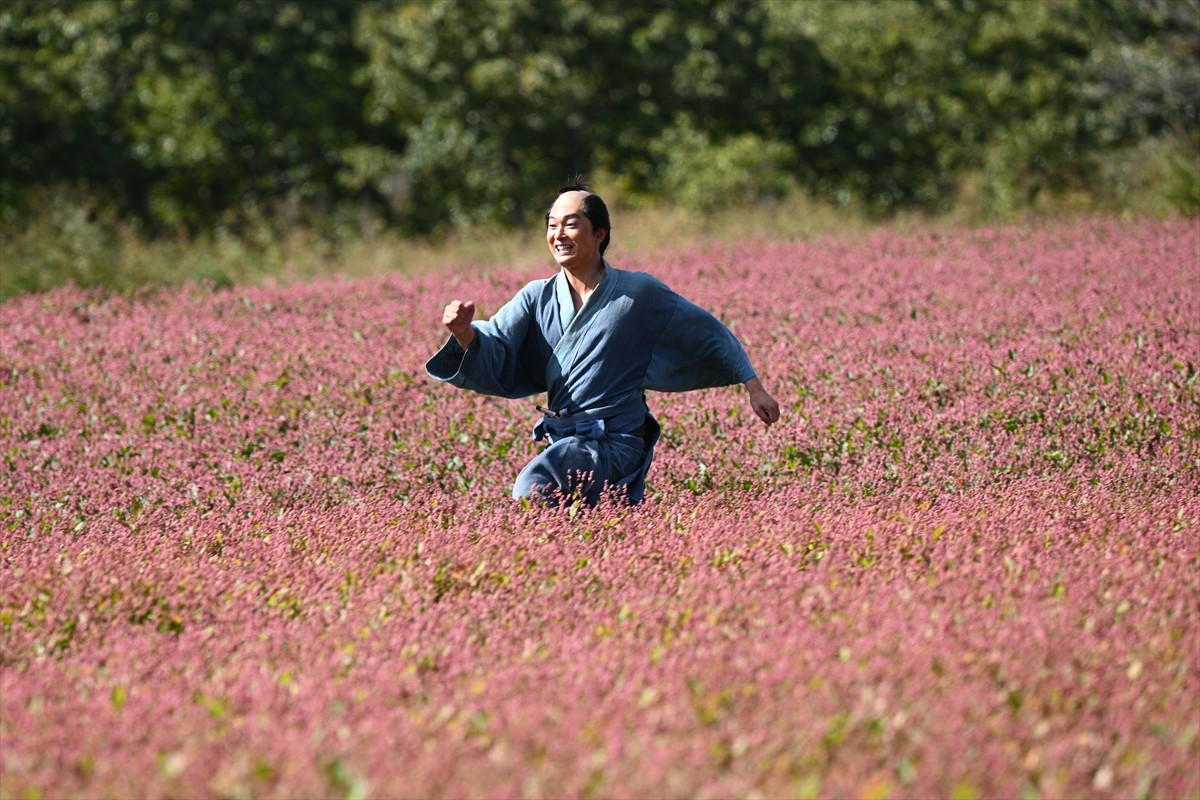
column 562, row 291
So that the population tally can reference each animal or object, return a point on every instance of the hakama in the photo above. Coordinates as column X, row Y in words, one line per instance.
column 633, row 334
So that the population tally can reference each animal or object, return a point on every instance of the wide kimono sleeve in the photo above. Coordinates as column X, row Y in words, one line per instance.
column 501, row 360
column 696, row 351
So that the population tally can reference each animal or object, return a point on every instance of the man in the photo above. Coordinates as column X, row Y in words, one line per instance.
column 594, row 338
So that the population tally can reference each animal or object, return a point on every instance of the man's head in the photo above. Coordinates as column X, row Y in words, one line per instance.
column 585, row 202
column 578, row 227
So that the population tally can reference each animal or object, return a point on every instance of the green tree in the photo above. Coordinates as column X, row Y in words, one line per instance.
column 498, row 99
column 928, row 91
column 183, row 113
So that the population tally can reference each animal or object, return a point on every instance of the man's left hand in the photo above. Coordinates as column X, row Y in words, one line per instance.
column 765, row 407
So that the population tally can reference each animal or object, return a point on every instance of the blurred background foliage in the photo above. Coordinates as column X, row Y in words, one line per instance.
column 238, row 123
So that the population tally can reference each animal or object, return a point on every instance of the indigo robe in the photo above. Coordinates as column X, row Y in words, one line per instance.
column 632, row 334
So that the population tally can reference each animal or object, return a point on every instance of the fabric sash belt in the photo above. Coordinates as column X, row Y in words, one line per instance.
column 626, row 418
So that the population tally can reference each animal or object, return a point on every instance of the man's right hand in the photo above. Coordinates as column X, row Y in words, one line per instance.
column 457, row 319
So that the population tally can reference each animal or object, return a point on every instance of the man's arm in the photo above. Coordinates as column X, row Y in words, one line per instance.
column 486, row 357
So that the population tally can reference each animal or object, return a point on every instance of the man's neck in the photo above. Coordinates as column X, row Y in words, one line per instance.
column 585, row 280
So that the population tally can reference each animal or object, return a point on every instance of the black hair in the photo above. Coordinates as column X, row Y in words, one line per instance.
column 594, row 209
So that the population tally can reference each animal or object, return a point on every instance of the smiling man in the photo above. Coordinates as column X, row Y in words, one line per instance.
column 595, row 339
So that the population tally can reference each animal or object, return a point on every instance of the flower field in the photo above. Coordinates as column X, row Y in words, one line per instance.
column 249, row 549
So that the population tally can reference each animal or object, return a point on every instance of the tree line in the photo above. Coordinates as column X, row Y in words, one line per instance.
column 186, row 115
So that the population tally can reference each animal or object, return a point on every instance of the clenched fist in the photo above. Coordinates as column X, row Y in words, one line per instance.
column 457, row 319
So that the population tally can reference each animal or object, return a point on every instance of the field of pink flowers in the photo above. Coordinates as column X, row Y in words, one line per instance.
column 249, row 549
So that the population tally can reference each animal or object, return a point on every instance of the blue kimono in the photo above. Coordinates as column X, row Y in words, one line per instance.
column 633, row 334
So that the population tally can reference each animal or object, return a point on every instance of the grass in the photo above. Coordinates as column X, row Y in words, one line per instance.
column 71, row 244
column 69, row 238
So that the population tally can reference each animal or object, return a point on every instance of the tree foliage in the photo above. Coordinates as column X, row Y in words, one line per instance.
column 181, row 114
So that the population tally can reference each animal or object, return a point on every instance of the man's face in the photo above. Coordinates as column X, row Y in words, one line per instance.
column 573, row 242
